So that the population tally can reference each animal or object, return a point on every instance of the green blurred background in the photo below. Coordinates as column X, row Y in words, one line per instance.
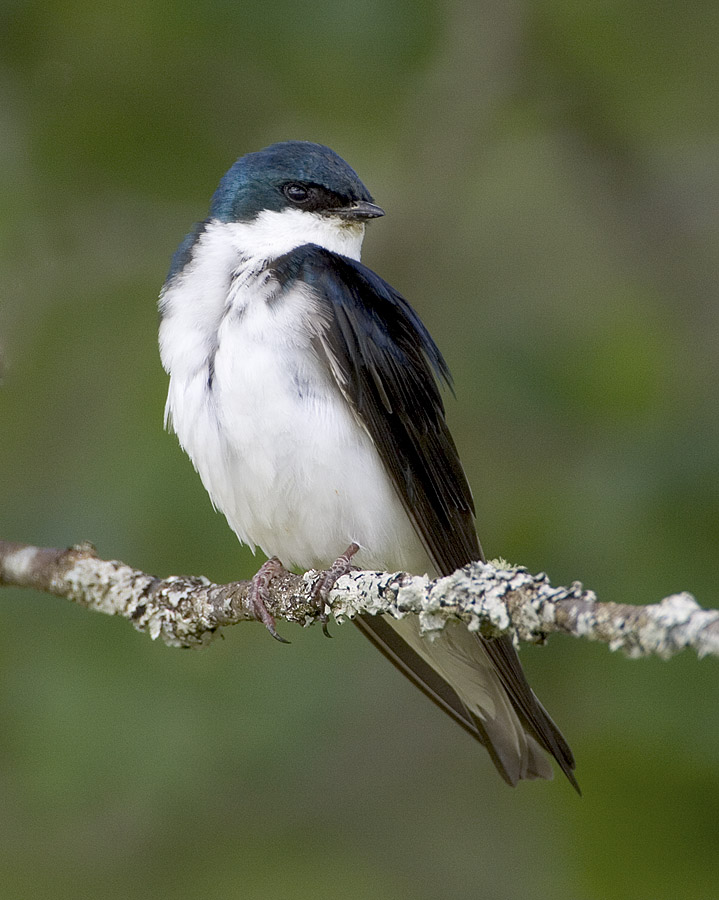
column 550, row 172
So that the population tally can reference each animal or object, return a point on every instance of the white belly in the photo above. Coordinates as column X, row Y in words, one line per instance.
column 280, row 451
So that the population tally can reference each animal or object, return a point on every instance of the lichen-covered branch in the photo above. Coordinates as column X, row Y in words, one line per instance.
column 185, row 611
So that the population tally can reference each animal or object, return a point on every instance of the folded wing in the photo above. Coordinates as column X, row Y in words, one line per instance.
column 386, row 364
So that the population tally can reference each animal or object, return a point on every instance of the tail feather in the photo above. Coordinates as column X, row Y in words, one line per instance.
column 480, row 684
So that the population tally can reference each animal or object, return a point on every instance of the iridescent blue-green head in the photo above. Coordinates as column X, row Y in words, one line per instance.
column 290, row 193
column 292, row 175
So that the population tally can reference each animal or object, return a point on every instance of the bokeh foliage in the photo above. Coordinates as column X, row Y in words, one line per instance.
column 552, row 186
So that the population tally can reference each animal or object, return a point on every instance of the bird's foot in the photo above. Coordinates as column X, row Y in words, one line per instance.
column 259, row 595
column 327, row 580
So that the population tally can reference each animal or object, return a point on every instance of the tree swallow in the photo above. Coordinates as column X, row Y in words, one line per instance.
column 304, row 389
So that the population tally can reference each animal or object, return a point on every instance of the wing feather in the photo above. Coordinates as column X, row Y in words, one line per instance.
column 387, row 366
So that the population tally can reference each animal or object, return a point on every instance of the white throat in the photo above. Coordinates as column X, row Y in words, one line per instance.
column 196, row 301
column 272, row 234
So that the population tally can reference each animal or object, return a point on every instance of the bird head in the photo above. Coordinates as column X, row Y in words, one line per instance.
column 293, row 176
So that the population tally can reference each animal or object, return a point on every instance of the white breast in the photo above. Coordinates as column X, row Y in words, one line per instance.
column 275, row 443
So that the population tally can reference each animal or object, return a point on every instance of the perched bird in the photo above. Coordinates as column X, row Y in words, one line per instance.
column 303, row 388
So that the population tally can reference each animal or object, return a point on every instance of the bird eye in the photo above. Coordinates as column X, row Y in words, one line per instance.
column 296, row 193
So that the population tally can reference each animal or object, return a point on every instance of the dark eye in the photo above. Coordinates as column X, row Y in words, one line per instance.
column 296, row 193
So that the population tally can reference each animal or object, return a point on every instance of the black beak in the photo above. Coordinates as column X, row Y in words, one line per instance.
column 361, row 209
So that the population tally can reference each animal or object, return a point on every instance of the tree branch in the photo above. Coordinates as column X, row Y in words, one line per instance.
column 185, row 610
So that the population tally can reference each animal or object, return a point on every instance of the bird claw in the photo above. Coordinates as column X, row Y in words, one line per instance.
column 259, row 596
column 327, row 580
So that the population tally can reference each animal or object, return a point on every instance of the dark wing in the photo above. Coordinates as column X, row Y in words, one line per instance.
column 385, row 363
column 384, row 359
